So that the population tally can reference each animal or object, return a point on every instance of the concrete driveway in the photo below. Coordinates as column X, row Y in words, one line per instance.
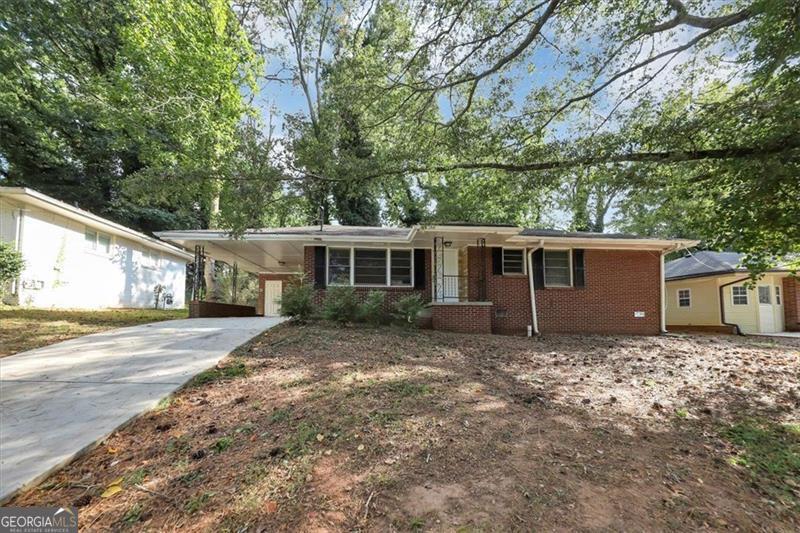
column 58, row 400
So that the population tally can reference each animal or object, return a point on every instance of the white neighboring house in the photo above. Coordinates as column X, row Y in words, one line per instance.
column 74, row 259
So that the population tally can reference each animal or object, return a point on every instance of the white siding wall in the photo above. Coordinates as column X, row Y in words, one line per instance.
column 60, row 272
column 747, row 316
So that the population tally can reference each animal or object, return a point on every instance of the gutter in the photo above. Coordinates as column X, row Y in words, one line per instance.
column 535, row 326
column 722, row 305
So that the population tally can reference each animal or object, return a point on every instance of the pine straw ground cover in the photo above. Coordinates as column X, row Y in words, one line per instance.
column 315, row 428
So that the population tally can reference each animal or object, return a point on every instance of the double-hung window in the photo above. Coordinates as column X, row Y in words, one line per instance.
column 339, row 266
column 557, row 272
column 513, row 261
column 739, row 295
column 684, row 297
column 94, row 241
column 370, row 267
column 401, row 268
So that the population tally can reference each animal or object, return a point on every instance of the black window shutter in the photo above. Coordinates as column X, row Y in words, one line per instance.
column 419, row 268
column 497, row 261
column 538, row 269
column 578, row 268
column 319, row 267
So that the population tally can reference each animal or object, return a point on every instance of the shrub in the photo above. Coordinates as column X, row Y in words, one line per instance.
column 11, row 264
column 340, row 304
column 296, row 300
column 407, row 309
column 372, row 309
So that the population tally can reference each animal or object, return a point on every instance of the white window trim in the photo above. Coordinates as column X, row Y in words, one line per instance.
column 746, row 295
column 524, row 261
column 97, row 250
column 544, row 267
column 678, row 298
column 769, row 294
column 778, row 295
column 388, row 282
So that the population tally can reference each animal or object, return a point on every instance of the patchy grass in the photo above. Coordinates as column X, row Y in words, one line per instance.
column 25, row 329
column 771, row 453
column 320, row 428
column 233, row 369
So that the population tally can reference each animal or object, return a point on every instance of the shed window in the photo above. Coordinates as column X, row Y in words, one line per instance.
column 557, row 268
column 513, row 261
column 764, row 296
column 684, row 298
column 150, row 258
column 739, row 295
column 370, row 267
column 339, row 266
column 401, row 268
column 96, row 242
column 777, row 295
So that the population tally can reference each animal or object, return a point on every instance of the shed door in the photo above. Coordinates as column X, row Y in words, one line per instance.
column 766, row 316
column 272, row 294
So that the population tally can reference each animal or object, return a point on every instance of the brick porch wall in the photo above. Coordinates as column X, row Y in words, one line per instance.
column 393, row 294
column 791, row 303
column 462, row 317
column 618, row 282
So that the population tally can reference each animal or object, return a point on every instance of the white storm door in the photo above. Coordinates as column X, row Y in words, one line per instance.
column 766, row 315
column 272, row 295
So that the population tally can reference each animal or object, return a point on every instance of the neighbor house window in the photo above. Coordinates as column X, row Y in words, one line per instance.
column 557, row 268
column 150, row 258
column 97, row 242
column 777, row 295
column 401, row 268
column 739, row 295
column 370, row 266
column 513, row 261
column 339, row 266
column 684, row 298
column 764, row 296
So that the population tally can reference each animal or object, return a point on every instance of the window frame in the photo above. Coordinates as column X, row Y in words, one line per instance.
column 689, row 297
column 503, row 261
column 151, row 259
column 96, row 249
column 569, row 268
column 778, row 297
column 768, row 292
column 352, row 267
column 746, row 295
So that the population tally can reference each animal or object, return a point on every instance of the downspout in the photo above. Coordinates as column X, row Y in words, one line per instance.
column 663, row 296
column 722, row 305
column 18, row 233
column 533, row 292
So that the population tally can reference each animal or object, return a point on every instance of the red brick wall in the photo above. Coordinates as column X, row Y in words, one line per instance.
column 510, row 294
column 791, row 303
column 463, row 318
column 285, row 278
column 618, row 282
column 393, row 294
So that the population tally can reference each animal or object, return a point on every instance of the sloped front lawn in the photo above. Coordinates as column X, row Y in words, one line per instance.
column 318, row 428
column 25, row 329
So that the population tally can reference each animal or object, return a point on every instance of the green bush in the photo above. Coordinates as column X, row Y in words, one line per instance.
column 297, row 300
column 11, row 264
column 372, row 309
column 340, row 304
column 407, row 309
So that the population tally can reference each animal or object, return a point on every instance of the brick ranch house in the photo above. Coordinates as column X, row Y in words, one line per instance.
column 481, row 279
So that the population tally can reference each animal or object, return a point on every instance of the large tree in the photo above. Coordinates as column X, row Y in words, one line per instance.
column 96, row 95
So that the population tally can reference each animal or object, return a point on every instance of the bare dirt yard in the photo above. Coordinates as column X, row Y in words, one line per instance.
column 315, row 428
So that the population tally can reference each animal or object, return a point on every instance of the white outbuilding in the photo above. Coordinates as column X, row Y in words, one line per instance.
column 75, row 259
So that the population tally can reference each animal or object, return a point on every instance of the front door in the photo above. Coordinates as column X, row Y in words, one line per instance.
column 272, row 295
column 766, row 315
column 447, row 277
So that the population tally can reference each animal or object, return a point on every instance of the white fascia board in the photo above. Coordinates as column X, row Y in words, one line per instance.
column 48, row 203
column 310, row 239
column 503, row 230
column 608, row 244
